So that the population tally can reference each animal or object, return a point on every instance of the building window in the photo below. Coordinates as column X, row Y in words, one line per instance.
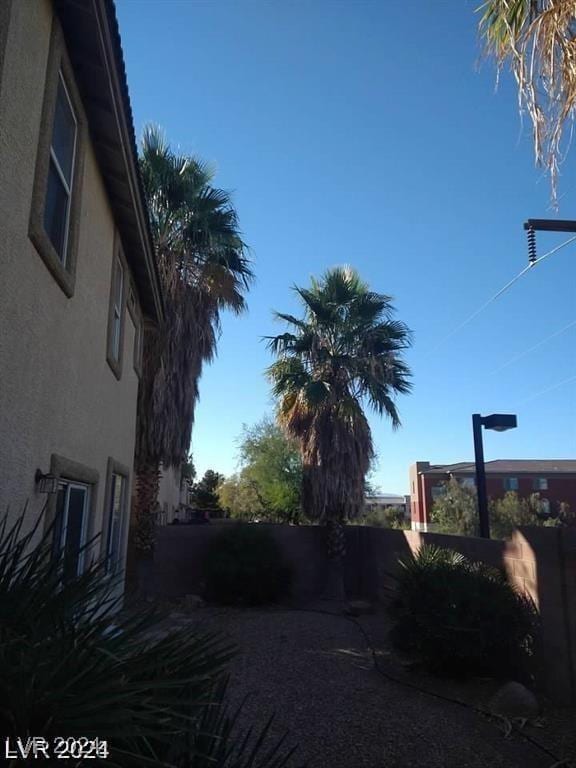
column 72, row 505
column 540, row 483
column 116, row 314
column 115, row 515
column 138, row 347
column 115, row 522
column 510, row 483
column 55, row 209
column 60, row 173
column 437, row 491
column 117, row 291
column 468, row 482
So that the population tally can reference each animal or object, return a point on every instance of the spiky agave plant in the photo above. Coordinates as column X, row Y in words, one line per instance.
column 72, row 665
column 460, row 617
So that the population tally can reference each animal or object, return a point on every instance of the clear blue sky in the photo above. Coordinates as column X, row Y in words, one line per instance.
column 361, row 132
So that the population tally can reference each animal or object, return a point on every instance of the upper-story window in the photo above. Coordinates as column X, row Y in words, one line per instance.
column 60, row 173
column 55, row 211
column 116, row 313
column 540, row 483
column 117, row 291
column 510, row 483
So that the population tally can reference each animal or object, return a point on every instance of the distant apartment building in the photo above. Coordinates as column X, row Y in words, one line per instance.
column 380, row 502
column 554, row 480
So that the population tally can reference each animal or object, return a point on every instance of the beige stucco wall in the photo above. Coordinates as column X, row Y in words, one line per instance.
column 57, row 393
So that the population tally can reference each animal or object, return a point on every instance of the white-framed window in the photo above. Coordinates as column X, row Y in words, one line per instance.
column 61, row 172
column 72, row 505
column 138, row 346
column 468, row 482
column 118, row 293
column 510, row 483
column 116, row 509
column 540, row 483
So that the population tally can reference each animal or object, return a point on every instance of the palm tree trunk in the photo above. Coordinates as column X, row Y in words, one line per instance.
column 336, row 551
column 147, row 487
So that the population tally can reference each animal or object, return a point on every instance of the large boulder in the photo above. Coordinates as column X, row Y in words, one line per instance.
column 514, row 700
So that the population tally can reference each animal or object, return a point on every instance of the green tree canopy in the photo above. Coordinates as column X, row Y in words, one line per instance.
column 456, row 511
column 204, row 494
column 272, row 465
column 268, row 484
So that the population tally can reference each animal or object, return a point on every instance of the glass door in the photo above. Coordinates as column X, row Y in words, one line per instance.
column 71, row 527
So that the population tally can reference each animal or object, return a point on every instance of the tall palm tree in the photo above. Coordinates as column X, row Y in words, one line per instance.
column 344, row 354
column 204, row 269
column 538, row 39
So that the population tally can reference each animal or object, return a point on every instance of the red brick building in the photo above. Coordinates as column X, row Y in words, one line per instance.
column 554, row 480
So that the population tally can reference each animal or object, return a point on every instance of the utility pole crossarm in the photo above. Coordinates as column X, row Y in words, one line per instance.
column 550, row 225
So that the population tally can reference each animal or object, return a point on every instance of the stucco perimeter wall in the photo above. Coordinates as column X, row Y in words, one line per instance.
column 539, row 561
column 57, row 393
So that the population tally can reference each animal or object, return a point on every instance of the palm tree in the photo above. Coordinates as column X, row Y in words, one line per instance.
column 203, row 269
column 345, row 353
column 538, row 39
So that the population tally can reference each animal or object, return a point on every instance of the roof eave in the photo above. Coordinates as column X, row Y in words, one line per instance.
column 94, row 46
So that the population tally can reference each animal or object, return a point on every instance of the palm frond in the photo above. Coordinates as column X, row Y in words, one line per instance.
column 346, row 349
column 538, row 39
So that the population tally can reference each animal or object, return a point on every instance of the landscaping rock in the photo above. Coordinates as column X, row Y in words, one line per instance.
column 359, row 608
column 193, row 602
column 514, row 700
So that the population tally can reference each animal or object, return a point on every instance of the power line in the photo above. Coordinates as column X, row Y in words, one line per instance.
column 549, row 389
column 549, row 253
column 481, row 309
column 498, row 294
column 531, row 349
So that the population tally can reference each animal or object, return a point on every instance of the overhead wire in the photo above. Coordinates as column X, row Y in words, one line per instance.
column 480, row 309
column 549, row 389
column 531, row 349
column 499, row 293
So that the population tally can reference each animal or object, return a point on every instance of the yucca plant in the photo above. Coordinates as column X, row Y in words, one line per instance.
column 461, row 618
column 72, row 664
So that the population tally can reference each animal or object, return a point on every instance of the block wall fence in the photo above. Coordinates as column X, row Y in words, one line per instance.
column 539, row 561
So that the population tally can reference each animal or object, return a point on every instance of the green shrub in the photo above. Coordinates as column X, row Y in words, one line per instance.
column 390, row 517
column 461, row 618
column 71, row 665
column 244, row 565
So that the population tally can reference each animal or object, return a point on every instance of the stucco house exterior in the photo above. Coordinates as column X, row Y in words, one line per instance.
column 78, row 279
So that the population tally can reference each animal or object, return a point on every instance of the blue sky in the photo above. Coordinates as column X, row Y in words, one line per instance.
column 363, row 133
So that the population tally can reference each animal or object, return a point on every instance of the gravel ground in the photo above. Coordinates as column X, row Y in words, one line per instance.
column 316, row 674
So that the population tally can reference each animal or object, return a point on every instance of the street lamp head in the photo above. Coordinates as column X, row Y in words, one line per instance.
column 500, row 422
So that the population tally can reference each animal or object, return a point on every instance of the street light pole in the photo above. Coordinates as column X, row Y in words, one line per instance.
column 499, row 422
column 480, row 476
